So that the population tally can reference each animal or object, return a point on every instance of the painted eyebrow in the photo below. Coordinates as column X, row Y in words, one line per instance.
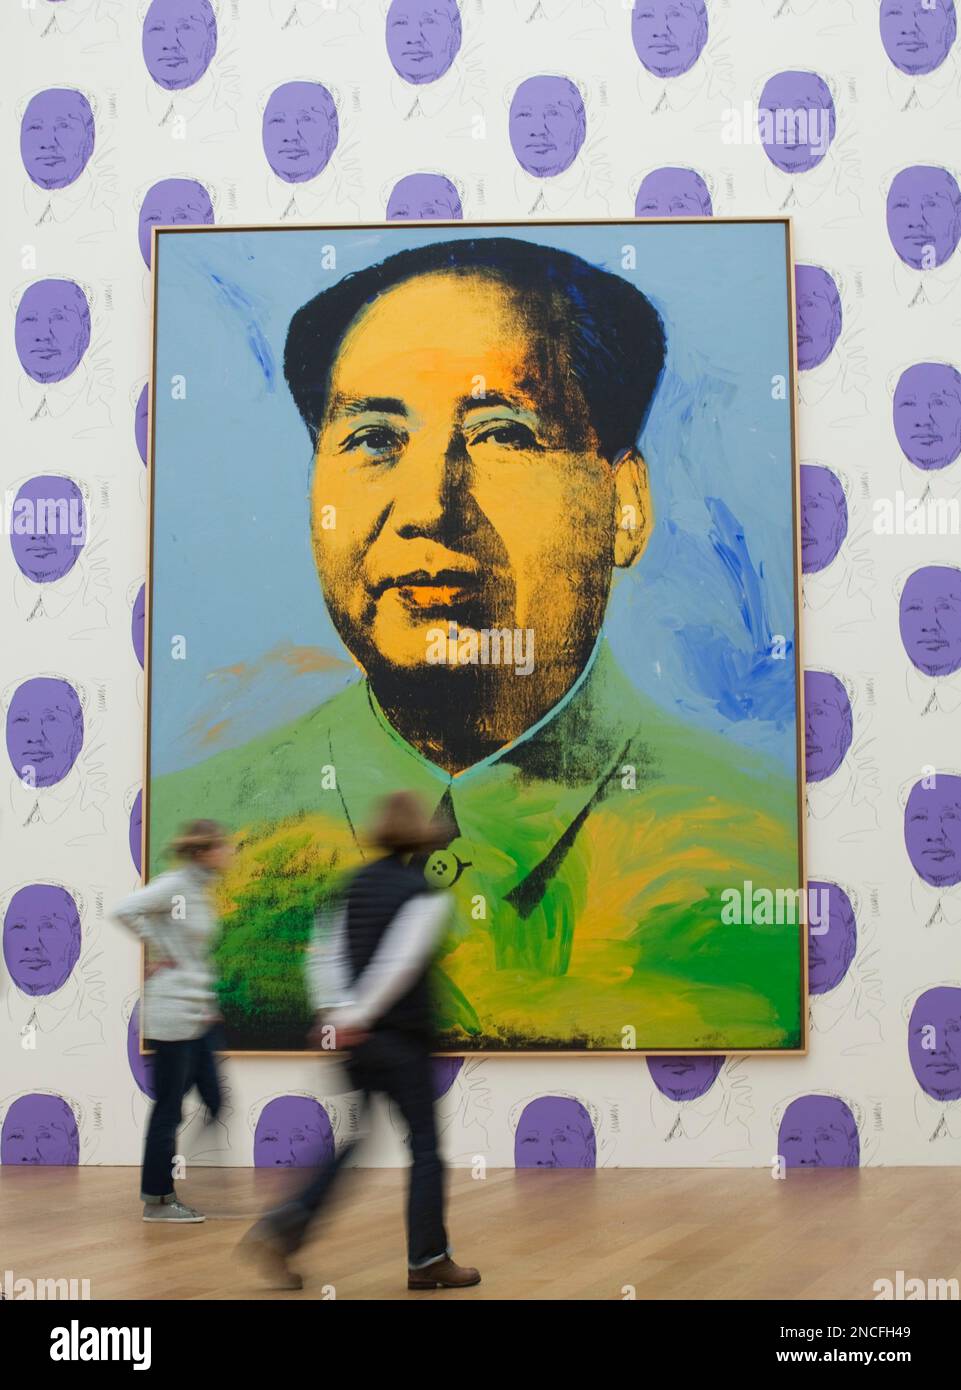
column 360, row 405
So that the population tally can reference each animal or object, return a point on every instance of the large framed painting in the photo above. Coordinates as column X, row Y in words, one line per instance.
column 505, row 514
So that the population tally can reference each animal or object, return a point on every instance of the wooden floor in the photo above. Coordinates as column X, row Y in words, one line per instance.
column 670, row 1233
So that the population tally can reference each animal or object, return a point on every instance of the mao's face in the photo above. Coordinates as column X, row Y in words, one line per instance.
column 827, row 725
column 818, row 315
column 423, row 38
column 56, row 137
column 44, row 731
column 424, row 198
column 140, row 426
column 443, row 1072
column 927, row 414
column 137, row 619
column 917, row 34
column 50, row 528
column 485, row 510
column 141, row 1066
column 924, row 216
column 819, row 1132
column 669, row 35
column 292, row 1132
column 684, row 1078
column 52, row 329
column 179, row 41
column 300, row 131
column 673, row 192
column 40, row 1129
column 555, row 1132
column 798, row 121
column 173, row 202
column 832, row 936
column 934, row 1042
column 41, row 937
column 547, row 125
column 135, row 831
column 824, row 517
column 932, row 831
column 930, row 619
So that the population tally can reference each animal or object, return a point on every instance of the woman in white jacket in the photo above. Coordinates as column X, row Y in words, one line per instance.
column 174, row 918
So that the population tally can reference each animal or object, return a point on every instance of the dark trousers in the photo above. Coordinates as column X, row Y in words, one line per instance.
column 398, row 1066
column 177, row 1066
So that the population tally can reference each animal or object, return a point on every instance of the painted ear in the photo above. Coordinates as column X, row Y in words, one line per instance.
column 633, row 508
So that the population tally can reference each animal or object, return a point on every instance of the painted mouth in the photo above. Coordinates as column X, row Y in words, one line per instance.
column 939, row 855
column 35, row 964
column 421, row 589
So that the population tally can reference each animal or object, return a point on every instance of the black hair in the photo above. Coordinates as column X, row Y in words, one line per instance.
column 614, row 337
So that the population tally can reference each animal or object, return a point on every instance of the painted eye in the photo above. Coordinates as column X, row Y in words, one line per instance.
column 507, row 432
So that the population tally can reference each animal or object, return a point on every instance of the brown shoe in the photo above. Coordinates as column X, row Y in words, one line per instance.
column 264, row 1250
column 443, row 1274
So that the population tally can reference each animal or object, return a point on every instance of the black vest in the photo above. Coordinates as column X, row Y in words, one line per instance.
column 376, row 894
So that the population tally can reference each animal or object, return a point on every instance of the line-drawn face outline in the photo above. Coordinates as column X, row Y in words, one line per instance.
column 41, row 938
column 824, row 517
column 672, row 191
column 140, row 423
column 548, row 125
column 669, row 35
column 44, row 730
column 141, row 1064
column 57, row 136
column 830, row 952
column 917, row 34
column 923, row 214
column 40, row 1129
column 555, row 1132
column 927, row 414
column 293, row 1132
column 684, row 1078
column 818, row 1131
column 135, row 831
column 819, row 315
column 138, row 616
column 300, row 130
column 51, row 547
column 929, row 619
column 936, row 1017
column 52, row 330
column 828, row 725
column 800, row 122
column 172, row 202
column 932, row 830
column 178, row 42
column 423, row 38
column 424, row 198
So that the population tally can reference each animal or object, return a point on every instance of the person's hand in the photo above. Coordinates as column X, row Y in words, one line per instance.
column 159, row 963
column 345, row 1036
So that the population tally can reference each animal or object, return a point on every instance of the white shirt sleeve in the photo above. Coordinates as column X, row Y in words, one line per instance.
column 140, row 912
column 404, row 951
column 328, row 977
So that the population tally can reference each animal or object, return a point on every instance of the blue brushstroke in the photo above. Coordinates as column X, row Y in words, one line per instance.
column 235, row 299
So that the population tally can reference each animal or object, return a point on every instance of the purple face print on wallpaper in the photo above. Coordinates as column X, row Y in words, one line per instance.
column 669, row 35
column 44, row 730
column 932, row 829
column 424, row 198
column 824, row 517
column 52, row 330
column 40, row 1129
column 41, row 937
column 934, row 1042
column 423, row 38
column 819, row 1131
column 140, row 425
column 684, row 1078
column 555, row 1132
column 930, row 619
column 300, row 130
column 828, row 725
column 818, row 315
column 924, row 215
column 293, row 1132
column 918, row 34
column 547, row 124
column 927, row 414
column 832, row 937
column 179, row 41
column 673, row 192
column 135, row 831
column 141, row 1065
column 49, row 528
column 796, row 121
column 57, row 136
column 137, row 619
column 173, row 202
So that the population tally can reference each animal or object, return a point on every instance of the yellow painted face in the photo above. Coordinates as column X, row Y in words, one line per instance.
column 457, row 479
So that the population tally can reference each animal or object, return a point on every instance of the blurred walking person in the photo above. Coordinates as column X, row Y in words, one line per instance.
column 369, row 976
column 174, row 918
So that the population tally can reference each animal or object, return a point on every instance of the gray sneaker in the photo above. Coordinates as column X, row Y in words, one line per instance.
column 171, row 1212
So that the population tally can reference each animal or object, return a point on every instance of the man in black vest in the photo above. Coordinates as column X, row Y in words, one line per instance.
column 369, row 979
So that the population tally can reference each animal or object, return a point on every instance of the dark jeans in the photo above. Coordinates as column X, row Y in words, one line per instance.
column 397, row 1065
column 177, row 1066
